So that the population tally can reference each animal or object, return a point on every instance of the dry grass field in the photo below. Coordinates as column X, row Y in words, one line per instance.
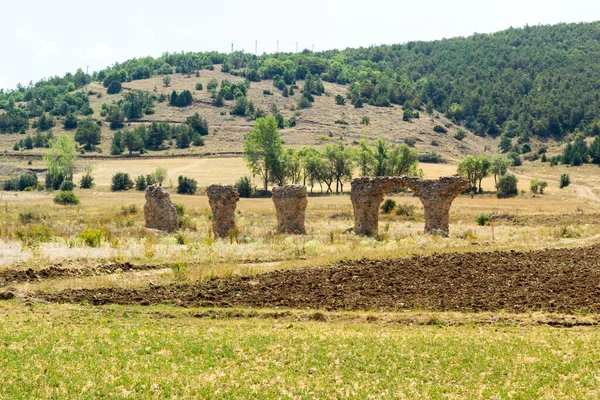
column 183, row 323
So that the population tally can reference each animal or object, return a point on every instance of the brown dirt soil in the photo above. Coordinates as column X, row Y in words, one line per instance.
column 557, row 280
column 9, row 276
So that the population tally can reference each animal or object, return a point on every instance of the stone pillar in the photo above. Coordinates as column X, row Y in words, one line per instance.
column 290, row 205
column 159, row 211
column 222, row 200
column 437, row 196
column 367, row 195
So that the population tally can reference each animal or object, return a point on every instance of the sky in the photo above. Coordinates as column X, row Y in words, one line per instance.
column 47, row 38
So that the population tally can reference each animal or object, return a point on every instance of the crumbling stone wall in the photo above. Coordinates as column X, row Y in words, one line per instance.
column 436, row 195
column 159, row 211
column 290, row 206
column 222, row 200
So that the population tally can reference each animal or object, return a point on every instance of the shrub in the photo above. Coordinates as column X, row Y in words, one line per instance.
column 537, row 185
column 564, row 181
column 66, row 185
column 405, row 210
column 199, row 86
column 526, row 148
column 341, row 122
column 267, row 92
column 87, row 181
column 410, row 141
column 166, row 81
column 244, row 187
column 92, row 237
column 483, row 218
column 186, row 185
column 340, row 100
column 303, row 102
column 140, row 183
column 20, row 183
column 460, row 135
column 431, row 157
column 440, row 129
column 507, row 186
column 66, row 198
column 120, row 182
column 365, row 121
column 388, row 206
column 516, row 158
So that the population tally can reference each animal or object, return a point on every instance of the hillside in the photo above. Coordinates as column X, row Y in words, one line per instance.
column 533, row 84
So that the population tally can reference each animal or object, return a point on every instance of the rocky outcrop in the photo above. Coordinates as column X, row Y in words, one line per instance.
column 222, row 200
column 290, row 205
column 436, row 195
column 159, row 211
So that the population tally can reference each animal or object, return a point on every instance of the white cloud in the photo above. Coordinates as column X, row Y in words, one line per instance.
column 99, row 52
column 44, row 47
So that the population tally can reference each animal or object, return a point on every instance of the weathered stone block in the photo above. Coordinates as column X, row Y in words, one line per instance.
column 159, row 211
column 222, row 200
column 290, row 205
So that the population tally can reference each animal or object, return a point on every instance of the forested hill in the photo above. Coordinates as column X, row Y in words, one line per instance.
column 540, row 80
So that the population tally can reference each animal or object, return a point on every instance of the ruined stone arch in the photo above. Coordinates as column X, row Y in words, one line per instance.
column 436, row 195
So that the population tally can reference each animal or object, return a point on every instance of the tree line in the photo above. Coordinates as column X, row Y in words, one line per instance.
column 267, row 158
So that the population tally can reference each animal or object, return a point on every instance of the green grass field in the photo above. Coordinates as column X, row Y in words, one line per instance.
column 166, row 352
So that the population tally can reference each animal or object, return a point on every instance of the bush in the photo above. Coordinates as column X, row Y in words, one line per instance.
column 244, row 187
column 120, row 182
column 516, row 158
column 303, row 102
column 537, row 185
column 405, row 210
column 340, row 100
column 140, row 183
column 66, row 186
column 92, row 237
column 388, row 206
column 564, row 181
column 87, row 181
column 483, row 218
column 20, row 183
column 267, row 92
column 460, row 135
column 199, row 86
column 507, row 186
column 410, row 141
column 186, row 185
column 66, row 198
column 440, row 129
column 431, row 157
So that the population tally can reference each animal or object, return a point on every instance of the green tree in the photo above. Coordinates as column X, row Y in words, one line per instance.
column 132, row 141
column 115, row 116
column 505, row 143
column 88, row 134
column 166, row 81
column 263, row 148
column 159, row 175
column 340, row 161
column 60, row 161
column 474, row 169
column 70, row 121
column 499, row 166
column 507, row 186
column 365, row 158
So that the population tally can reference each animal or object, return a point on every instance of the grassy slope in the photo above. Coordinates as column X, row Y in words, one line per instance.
column 85, row 352
column 315, row 126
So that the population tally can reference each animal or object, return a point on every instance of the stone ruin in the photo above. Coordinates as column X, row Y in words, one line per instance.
column 436, row 195
column 222, row 200
column 290, row 205
column 159, row 211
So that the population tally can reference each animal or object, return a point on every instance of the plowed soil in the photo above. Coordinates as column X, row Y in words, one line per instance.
column 9, row 276
column 558, row 280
